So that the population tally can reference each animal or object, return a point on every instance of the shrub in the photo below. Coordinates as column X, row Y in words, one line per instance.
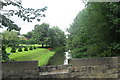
column 34, row 47
column 31, row 48
column 4, row 54
column 25, row 49
column 19, row 49
column 13, row 50
column 3, row 47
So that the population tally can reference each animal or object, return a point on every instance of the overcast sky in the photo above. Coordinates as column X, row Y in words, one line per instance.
column 60, row 13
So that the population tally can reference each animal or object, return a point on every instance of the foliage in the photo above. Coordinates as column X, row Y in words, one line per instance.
column 4, row 54
column 19, row 49
column 41, row 33
column 29, row 35
column 27, row 14
column 97, row 28
column 10, row 38
column 25, row 49
column 51, row 37
column 13, row 50
column 30, row 48
column 9, row 35
column 57, row 37
column 34, row 47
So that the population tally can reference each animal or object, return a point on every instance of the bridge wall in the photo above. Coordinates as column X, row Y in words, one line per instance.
column 107, row 67
column 20, row 69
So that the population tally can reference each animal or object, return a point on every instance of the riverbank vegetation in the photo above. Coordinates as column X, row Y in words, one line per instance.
column 95, row 31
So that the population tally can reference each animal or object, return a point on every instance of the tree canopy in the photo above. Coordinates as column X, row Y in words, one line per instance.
column 53, row 37
column 95, row 31
column 27, row 14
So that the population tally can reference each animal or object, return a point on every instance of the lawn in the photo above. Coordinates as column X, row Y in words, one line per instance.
column 37, row 45
column 40, row 54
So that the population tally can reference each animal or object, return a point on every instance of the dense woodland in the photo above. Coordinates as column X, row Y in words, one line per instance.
column 95, row 31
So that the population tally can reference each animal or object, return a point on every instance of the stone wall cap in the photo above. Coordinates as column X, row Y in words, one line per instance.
column 18, row 61
column 93, row 58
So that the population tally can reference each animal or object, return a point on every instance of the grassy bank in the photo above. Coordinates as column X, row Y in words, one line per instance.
column 58, row 58
column 40, row 54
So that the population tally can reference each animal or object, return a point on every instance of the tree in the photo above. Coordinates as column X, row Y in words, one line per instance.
column 27, row 14
column 29, row 35
column 10, row 35
column 56, row 37
column 52, row 37
column 10, row 38
column 95, row 31
column 41, row 33
column 24, row 13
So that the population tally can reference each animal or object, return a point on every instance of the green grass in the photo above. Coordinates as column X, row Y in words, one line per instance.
column 8, row 49
column 36, row 45
column 40, row 54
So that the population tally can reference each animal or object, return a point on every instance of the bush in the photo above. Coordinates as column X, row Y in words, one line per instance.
column 4, row 54
column 13, row 50
column 20, row 49
column 31, row 48
column 34, row 47
column 3, row 47
column 26, row 49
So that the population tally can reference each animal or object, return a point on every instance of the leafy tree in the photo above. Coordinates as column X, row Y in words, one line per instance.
column 51, row 37
column 56, row 37
column 24, row 13
column 41, row 33
column 10, row 35
column 10, row 38
column 27, row 14
column 97, row 29
column 29, row 35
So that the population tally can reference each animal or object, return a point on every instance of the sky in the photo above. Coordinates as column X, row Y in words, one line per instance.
column 60, row 13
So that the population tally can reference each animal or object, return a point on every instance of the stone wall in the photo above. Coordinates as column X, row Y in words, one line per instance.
column 93, row 61
column 108, row 67
column 94, row 67
column 53, row 68
column 20, row 69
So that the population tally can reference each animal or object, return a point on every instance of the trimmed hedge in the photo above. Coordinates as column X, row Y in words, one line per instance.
column 25, row 49
column 34, row 47
column 31, row 48
column 13, row 50
column 19, row 49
